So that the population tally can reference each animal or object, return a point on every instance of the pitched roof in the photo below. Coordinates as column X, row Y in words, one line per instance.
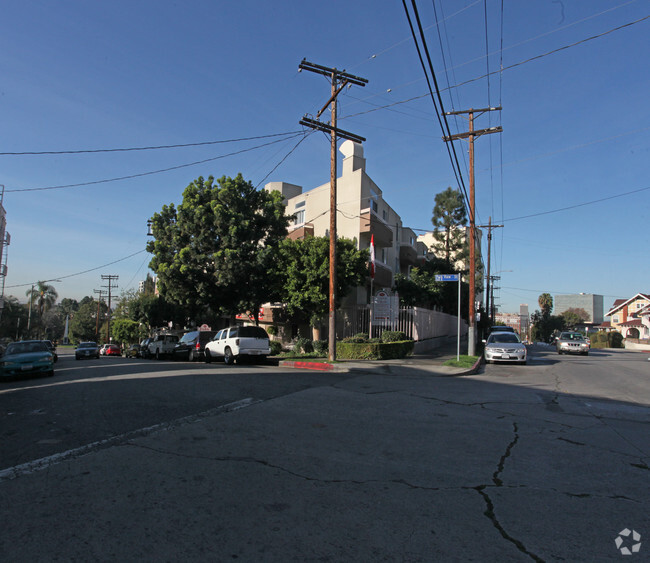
column 619, row 303
column 632, row 322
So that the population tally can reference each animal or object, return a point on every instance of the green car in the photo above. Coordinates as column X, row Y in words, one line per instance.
column 25, row 358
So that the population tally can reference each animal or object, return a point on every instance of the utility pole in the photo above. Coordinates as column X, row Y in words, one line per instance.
column 336, row 77
column 489, row 227
column 110, row 278
column 102, row 294
column 471, row 336
column 29, row 317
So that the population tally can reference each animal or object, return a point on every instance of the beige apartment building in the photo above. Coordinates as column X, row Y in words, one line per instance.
column 362, row 213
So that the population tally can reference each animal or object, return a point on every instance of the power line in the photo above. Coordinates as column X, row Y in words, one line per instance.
column 577, row 205
column 81, row 273
column 141, row 174
column 149, row 148
column 502, row 68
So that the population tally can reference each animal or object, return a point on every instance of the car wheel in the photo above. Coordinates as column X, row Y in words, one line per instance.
column 50, row 373
column 228, row 358
column 190, row 356
column 157, row 354
column 208, row 356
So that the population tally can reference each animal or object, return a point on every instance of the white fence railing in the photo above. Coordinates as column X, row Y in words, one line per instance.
column 417, row 323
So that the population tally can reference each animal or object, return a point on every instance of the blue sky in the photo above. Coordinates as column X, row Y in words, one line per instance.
column 105, row 75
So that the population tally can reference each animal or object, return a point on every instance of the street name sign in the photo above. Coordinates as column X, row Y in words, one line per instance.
column 446, row 277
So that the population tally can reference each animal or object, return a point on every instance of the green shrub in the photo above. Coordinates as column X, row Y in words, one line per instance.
column 321, row 347
column 615, row 340
column 393, row 336
column 272, row 330
column 276, row 347
column 357, row 339
column 374, row 350
column 303, row 345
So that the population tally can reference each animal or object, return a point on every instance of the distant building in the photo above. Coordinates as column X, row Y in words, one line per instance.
column 510, row 319
column 591, row 303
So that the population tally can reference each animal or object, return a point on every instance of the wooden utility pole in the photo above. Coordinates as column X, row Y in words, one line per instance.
column 110, row 286
column 471, row 336
column 489, row 227
column 336, row 76
column 101, row 293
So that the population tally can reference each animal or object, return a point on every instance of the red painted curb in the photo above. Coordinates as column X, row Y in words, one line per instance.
column 319, row 366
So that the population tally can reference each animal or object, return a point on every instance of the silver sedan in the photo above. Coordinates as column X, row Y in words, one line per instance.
column 504, row 347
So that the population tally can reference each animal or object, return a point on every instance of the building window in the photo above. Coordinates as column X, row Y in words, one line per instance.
column 615, row 319
column 384, row 214
column 373, row 205
column 300, row 204
column 300, row 217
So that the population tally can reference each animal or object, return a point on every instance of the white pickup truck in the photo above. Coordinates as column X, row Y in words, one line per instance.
column 162, row 345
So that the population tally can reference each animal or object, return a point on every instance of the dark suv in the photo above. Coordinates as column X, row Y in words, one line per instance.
column 192, row 346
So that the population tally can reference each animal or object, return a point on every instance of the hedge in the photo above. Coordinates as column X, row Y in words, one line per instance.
column 604, row 339
column 374, row 350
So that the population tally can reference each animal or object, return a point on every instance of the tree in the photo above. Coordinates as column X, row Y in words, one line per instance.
column 83, row 325
column 304, row 266
column 126, row 331
column 216, row 248
column 449, row 221
column 43, row 297
column 13, row 322
column 545, row 301
column 574, row 316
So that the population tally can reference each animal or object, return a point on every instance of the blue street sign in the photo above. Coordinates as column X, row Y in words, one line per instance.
column 446, row 277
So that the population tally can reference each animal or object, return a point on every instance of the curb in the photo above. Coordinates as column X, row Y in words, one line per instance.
column 316, row 366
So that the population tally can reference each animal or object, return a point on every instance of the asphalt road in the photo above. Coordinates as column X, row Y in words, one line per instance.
column 126, row 460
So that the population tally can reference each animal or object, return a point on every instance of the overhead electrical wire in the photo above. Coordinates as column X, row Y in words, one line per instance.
column 79, row 273
column 502, row 68
column 150, row 173
column 147, row 148
column 439, row 112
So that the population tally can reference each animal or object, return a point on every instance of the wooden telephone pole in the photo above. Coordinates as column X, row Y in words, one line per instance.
column 489, row 227
column 471, row 336
column 343, row 78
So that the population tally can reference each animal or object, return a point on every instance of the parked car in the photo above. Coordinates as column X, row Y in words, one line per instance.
column 237, row 342
column 504, row 346
column 133, row 351
column 113, row 350
column 144, row 348
column 102, row 349
column 162, row 345
column 501, row 328
column 27, row 357
column 572, row 343
column 86, row 350
column 52, row 348
column 192, row 346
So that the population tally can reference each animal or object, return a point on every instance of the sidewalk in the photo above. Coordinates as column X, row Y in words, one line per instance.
column 431, row 361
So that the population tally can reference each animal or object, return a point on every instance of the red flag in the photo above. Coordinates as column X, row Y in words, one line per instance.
column 372, row 256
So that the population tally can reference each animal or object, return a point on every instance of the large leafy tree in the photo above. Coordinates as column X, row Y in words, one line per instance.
column 13, row 322
column 574, row 316
column 304, row 267
column 449, row 222
column 83, row 325
column 215, row 249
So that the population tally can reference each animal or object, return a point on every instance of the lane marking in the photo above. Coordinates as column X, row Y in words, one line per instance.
column 45, row 462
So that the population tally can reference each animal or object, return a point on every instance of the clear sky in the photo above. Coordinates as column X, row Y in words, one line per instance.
column 568, row 177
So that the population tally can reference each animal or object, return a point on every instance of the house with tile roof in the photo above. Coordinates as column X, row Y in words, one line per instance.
column 626, row 318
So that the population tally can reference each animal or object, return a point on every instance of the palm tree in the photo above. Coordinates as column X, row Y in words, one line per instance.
column 44, row 296
column 545, row 304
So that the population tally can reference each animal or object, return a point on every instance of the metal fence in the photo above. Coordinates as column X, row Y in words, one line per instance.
column 417, row 323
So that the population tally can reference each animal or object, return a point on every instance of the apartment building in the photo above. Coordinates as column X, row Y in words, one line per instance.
column 591, row 303
column 362, row 214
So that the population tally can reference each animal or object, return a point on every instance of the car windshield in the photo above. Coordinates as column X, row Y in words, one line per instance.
column 503, row 338
column 87, row 345
column 571, row 336
column 189, row 337
column 26, row 347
